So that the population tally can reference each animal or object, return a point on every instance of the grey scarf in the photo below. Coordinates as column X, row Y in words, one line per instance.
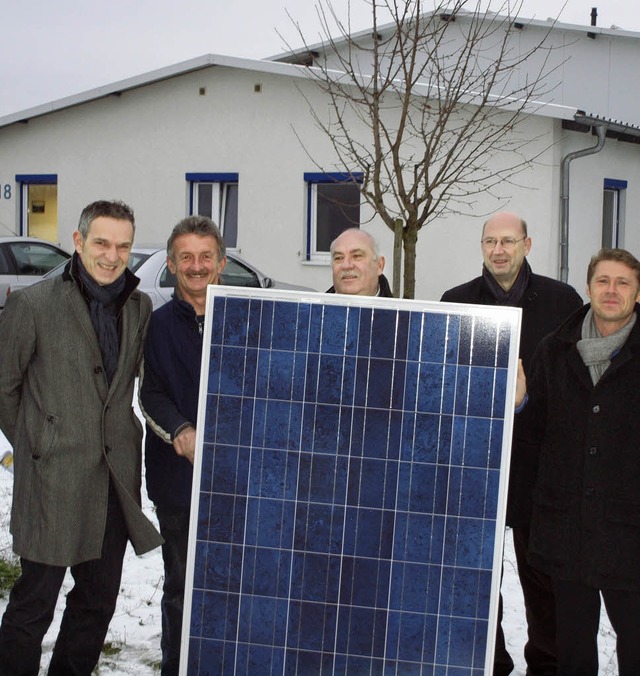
column 597, row 350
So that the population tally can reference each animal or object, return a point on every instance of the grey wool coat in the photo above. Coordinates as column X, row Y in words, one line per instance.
column 69, row 429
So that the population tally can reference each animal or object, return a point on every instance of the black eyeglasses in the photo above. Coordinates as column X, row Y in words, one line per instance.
column 505, row 242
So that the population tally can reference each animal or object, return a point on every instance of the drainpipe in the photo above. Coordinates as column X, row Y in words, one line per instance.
column 601, row 131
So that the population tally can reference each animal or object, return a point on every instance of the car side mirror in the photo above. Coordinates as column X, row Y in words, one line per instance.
column 267, row 283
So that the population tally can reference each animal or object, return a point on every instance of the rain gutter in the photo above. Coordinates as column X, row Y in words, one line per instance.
column 601, row 132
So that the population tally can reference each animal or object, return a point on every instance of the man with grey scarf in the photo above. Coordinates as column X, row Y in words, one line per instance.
column 71, row 349
column 581, row 422
column 507, row 279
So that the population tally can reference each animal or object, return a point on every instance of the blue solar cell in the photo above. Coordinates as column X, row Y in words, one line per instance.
column 348, row 503
column 319, row 528
column 316, row 577
column 336, row 380
column 482, row 393
column 436, row 388
column 388, row 336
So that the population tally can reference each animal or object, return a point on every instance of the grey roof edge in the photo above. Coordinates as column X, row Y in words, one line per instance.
column 262, row 66
column 615, row 126
column 507, row 103
column 150, row 77
column 547, row 24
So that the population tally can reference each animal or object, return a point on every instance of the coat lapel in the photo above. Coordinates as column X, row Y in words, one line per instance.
column 129, row 329
column 578, row 367
column 81, row 312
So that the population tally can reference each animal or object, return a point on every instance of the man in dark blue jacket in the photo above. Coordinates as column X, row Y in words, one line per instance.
column 507, row 279
column 169, row 402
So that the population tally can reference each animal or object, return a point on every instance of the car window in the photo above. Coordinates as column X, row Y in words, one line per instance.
column 136, row 259
column 237, row 274
column 58, row 270
column 32, row 258
column 167, row 279
column 5, row 264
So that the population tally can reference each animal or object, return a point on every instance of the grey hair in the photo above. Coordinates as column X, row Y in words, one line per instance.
column 108, row 208
column 197, row 225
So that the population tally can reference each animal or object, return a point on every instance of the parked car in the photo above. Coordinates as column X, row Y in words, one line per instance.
column 24, row 260
column 156, row 280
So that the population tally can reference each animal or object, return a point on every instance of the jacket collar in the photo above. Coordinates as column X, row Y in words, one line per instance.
column 384, row 288
column 185, row 311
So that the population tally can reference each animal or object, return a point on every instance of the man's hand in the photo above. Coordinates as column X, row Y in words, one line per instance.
column 185, row 443
column 521, row 385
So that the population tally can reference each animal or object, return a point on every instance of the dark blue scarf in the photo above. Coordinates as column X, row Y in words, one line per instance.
column 514, row 295
column 103, row 308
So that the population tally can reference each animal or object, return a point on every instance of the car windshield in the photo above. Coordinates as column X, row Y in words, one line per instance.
column 136, row 259
column 34, row 258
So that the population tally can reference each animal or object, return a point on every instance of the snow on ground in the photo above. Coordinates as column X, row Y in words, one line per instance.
column 135, row 627
column 134, row 632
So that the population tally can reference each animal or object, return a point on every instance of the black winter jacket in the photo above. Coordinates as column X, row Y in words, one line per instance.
column 586, row 513
column 168, row 396
column 385, row 288
column 545, row 305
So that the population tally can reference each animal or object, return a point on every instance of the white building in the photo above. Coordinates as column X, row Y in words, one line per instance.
column 234, row 138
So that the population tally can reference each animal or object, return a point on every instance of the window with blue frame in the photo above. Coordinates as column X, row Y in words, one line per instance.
column 215, row 195
column 38, row 194
column 333, row 205
column 613, row 212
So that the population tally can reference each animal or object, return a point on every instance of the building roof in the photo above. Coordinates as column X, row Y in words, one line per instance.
column 630, row 133
column 288, row 65
column 300, row 54
column 215, row 60
column 175, row 70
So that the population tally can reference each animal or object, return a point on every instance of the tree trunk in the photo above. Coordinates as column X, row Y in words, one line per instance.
column 409, row 239
column 397, row 257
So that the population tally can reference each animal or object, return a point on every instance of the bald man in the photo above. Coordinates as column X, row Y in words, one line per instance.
column 507, row 279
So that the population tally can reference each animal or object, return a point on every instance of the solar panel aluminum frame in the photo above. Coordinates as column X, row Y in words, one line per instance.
column 506, row 322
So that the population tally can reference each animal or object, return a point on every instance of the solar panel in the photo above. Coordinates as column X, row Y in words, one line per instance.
column 350, row 485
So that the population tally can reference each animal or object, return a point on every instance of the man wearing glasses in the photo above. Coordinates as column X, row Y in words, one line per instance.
column 507, row 279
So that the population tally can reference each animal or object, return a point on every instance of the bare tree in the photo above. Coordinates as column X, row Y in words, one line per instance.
column 441, row 96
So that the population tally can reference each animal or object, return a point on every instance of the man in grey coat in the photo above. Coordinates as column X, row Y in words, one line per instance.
column 71, row 349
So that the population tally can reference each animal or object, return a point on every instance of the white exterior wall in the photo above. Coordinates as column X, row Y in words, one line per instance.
column 449, row 250
column 595, row 75
column 540, row 205
column 139, row 146
column 587, row 174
